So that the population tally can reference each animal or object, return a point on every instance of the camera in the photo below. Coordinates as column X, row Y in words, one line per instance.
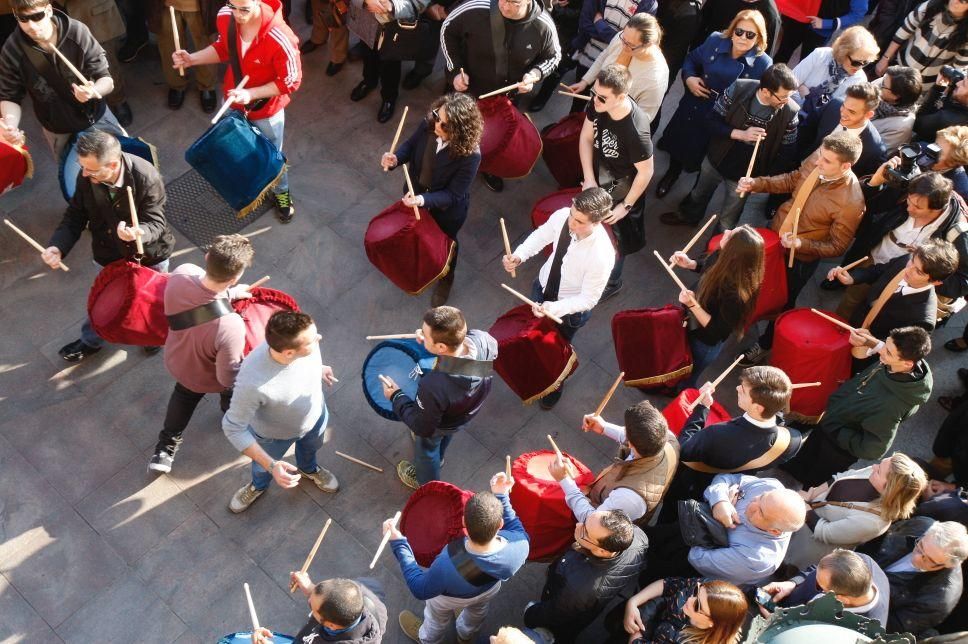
column 765, row 600
column 915, row 159
column 951, row 74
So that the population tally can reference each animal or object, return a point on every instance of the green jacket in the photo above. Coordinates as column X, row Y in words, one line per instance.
column 863, row 414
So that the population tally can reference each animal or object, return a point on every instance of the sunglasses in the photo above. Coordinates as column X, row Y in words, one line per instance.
column 858, row 63
column 435, row 115
column 31, row 17
column 695, row 595
column 598, row 97
column 742, row 33
column 243, row 10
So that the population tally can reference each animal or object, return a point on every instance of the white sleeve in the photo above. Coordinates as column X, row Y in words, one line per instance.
column 544, row 235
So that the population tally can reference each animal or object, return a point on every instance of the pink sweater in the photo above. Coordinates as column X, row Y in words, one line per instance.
column 203, row 358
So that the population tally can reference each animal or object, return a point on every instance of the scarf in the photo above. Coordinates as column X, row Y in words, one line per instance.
column 885, row 110
column 835, row 76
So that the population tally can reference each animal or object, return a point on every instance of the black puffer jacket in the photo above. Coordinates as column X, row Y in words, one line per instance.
column 370, row 630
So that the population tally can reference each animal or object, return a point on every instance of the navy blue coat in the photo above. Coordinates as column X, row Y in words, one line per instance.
column 873, row 154
column 807, row 590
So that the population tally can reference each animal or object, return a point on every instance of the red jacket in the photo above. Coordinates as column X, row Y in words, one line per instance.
column 273, row 57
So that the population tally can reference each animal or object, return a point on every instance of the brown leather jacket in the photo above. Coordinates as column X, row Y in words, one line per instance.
column 830, row 216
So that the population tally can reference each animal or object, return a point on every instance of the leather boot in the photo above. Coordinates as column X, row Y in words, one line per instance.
column 442, row 290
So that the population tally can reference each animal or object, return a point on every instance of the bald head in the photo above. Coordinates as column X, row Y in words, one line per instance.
column 778, row 511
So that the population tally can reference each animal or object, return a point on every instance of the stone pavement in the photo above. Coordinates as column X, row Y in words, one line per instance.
column 92, row 549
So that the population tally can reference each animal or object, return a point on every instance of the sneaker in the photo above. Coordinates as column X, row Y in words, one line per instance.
column 161, row 462
column 407, row 474
column 323, row 479
column 495, row 184
column 611, row 290
column 754, row 355
column 548, row 402
column 245, row 497
column 410, row 625
column 284, row 208
column 77, row 351
column 129, row 50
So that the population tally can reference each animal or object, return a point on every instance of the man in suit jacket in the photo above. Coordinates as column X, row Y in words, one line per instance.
column 853, row 113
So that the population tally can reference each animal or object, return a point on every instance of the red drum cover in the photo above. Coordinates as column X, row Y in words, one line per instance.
column 432, row 518
column 550, row 204
column 676, row 413
column 652, row 347
column 773, row 292
column 540, row 503
column 510, row 144
column 560, row 149
column 412, row 254
column 15, row 166
column 811, row 349
column 126, row 304
column 255, row 311
column 533, row 357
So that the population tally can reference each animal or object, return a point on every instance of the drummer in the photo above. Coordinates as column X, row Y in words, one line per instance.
column 256, row 42
column 572, row 280
column 28, row 65
column 100, row 204
column 443, row 178
column 448, row 397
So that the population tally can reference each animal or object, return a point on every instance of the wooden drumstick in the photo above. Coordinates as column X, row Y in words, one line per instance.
column 503, row 90
column 359, row 462
column 695, row 238
column 312, row 553
column 396, row 137
column 507, row 243
column 566, row 86
column 855, row 264
column 406, row 174
column 384, row 541
column 259, row 282
column 174, row 33
column 228, row 103
column 507, row 466
column 793, row 238
column 608, row 396
column 76, row 71
column 804, row 385
column 30, row 240
column 248, row 600
column 842, row 325
column 716, row 382
column 392, row 336
column 669, row 271
column 749, row 168
column 384, row 380
column 574, row 95
column 527, row 300
column 558, row 455
column 139, row 245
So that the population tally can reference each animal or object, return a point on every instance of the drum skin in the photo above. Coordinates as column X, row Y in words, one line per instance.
column 245, row 637
column 432, row 518
column 652, row 347
column 403, row 361
column 773, row 292
column 540, row 503
column 256, row 311
column 533, row 357
column 412, row 254
column 560, row 149
column 510, row 144
column 15, row 166
column 69, row 166
column 126, row 304
column 676, row 413
column 809, row 348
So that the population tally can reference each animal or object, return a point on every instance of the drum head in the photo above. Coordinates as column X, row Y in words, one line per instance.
column 69, row 169
column 538, row 466
column 405, row 361
column 245, row 637
column 432, row 517
column 15, row 166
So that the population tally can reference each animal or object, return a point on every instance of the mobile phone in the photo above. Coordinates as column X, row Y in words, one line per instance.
column 765, row 600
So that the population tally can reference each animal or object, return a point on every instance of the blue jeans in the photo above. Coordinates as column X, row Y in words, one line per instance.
column 273, row 128
column 571, row 322
column 703, row 355
column 429, row 452
column 88, row 335
column 306, row 447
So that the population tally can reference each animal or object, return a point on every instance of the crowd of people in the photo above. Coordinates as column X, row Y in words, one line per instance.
column 854, row 155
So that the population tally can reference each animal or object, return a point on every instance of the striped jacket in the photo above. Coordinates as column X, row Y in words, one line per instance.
column 595, row 35
column 924, row 45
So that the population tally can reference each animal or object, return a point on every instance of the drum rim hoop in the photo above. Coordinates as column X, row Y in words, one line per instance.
column 569, row 366
column 401, row 345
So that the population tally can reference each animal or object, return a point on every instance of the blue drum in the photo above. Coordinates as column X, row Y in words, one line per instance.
column 69, row 167
column 245, row 637
column 405, row 361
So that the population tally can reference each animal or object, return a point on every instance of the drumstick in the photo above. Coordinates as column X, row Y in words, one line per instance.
column 855, row 264
column 558, row 455
column 383, row 542
column 507, row 466
column 248, row 600
column 312, row 553
column 608, row 396
column 507, row 243
column 259, row 282
column 503, row 90
column 174, row 33
column 793, row 239
column 528, row 301
column 392, row 336
column 573, row 95
column 76, row 72
column 228, row 103
column 669, row 271
column 139, row 245
column 695, row 238
column 845, row 327
column 384, row 380
column 716, row 382
column 364, row 463
column 30, row 240
column 396, row 137
column 749, row 168
column 406, row 174
column 804, row 385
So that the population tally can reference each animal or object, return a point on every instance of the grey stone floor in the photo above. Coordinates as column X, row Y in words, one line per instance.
column 94, row 550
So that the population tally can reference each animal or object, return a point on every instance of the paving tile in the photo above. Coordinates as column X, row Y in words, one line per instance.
column 18, row 621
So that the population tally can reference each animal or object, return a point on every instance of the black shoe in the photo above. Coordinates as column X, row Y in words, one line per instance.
column 544, row 93
column 665, row 184
column 129, row 50
column 963, row 376
column 832, row 285
column 77, row 351
column 675, row 219
column 308, row 47
column 611, row 290
column 176, row 97
column 442, row 290
column 284, row 208
column 386, row 111
column 150, row 351
column 123, row 113
column 333, row 68
column 161, row 462
column 549, row 401
column 956, row 344
column 494, row 183
column 413, row 78
column 208, row 100
column 360, row 91
column 357, row 52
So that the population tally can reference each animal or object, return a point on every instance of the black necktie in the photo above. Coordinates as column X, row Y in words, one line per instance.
column 554, row 276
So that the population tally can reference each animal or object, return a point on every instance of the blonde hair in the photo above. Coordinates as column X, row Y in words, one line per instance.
column 854, row 40
column 754, row 16
column 905, row 482
column 957, row 136
column 511, row 635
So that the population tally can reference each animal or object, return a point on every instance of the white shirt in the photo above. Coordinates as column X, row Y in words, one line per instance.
column 904, row 564
column 908, row 235
column 584, row 268
column 813, row 70
column 856, row 131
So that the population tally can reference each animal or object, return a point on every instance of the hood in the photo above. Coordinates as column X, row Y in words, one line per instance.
column 271, row 18
column 485, row 344
column 911, row 388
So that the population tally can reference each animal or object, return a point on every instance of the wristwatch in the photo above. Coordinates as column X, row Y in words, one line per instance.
column 628, row 206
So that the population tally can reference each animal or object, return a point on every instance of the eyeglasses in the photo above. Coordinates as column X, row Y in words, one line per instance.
column 583, row 535
column 858, row 63
column 919, row 548
column 780, row 99
column 634, row 47
column 243, row 10
column 31, row 17
column 742, row 33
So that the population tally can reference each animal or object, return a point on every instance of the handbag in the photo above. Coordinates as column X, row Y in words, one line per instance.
column 406, row 40
column 699, row 527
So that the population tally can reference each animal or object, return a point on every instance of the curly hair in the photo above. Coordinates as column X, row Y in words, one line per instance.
column 464, row 122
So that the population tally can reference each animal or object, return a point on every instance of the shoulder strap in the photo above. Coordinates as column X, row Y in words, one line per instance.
column 800, row 199
column 464, row 367
column 498, row 37
column 882, row 299
column 233, row 46
column 779, row 446
column 199, row 315
column 465, row 564
column 841, row 504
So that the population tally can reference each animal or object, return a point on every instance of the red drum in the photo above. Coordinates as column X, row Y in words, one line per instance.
column 510, row 144
column 676, row 413
column 412, row 254
column 560, row 149
column 652, row 347
column 799, row 10
column 15, row 166
column 773, row 292
column 126, row 304
column 540, row 504
column 432, row 518
column 533, row 357
column 550, row 204
column 811, row 349
column 255, row 311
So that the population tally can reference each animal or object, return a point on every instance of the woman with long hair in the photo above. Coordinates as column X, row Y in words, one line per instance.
column 856, row 507
column 935, row 34
column 738, row 52
column 729, row 284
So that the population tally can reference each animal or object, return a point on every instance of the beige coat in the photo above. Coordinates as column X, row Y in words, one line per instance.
column 102, row 17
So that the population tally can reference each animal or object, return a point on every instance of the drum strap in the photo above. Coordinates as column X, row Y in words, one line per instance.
column 57, row 82
column 465, row 564
column 199, row 315
column 464, row 367
column 498, row 43
column 779, row 446
column 236, row 64
column 550, row 293
column 799, row 200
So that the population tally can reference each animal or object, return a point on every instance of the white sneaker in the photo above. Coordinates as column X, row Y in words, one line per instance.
column 245, row 497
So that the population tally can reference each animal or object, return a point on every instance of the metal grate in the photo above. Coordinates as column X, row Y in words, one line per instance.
column 199, row 213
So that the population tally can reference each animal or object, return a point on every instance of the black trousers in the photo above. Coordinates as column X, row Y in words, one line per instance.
column 818, row 460
column 952, row 440
column 668, row 554
column 797, row 278
column 796, row 34
column 181, row 406
column 385, row 73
